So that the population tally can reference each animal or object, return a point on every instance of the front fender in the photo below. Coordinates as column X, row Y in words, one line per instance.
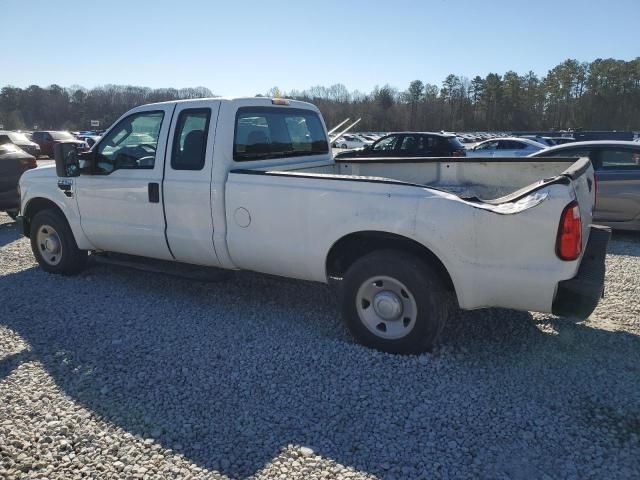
column 38, row 195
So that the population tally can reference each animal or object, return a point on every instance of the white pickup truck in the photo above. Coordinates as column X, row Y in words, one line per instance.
column 251, row 184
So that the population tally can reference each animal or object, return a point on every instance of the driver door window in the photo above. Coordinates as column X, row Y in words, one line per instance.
column 131, row 144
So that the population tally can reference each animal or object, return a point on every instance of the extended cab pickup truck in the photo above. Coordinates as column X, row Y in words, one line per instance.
column 251, row 184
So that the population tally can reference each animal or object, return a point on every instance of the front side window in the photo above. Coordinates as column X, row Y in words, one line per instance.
column 613, row 159
column 271, row 132
column 190, row 139
column 386, row 144
column 131, row 144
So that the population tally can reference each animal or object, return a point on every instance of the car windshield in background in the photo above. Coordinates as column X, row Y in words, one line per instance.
column 456, row 143
column 18, row 137
column 62, row 136
column 271, row 132
column 9, row 148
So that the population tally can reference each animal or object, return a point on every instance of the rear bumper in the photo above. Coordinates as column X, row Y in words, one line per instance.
column 579, row 296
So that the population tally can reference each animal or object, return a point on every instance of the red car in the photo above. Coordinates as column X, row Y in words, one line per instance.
column 13, row 163
column 48, row 138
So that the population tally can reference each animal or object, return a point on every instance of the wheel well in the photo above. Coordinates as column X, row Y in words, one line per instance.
column 355, row 245
column 33, row 207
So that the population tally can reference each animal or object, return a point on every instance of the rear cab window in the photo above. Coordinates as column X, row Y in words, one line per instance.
column 274, row 132
column 190, row 139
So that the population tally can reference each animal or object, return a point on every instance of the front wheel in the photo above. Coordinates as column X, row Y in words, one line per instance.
column 394, row 302
column 53, row 244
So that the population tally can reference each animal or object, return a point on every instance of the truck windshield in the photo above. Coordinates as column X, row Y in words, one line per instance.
column 275, row 132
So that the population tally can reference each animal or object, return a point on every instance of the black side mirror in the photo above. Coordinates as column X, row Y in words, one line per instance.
column 66, row 156
column 367, row 147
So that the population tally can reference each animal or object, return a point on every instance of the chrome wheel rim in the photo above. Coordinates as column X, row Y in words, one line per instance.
column 49, row 244
column 386, row 307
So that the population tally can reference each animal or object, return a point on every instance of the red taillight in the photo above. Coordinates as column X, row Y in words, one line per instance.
column 29, row 162
column 569, row 242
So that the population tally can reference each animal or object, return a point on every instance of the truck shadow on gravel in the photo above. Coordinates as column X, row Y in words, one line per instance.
column 230, row 373
column 624, row 243
column 8, row 233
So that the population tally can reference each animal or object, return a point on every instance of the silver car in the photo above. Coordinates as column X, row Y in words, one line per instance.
column 617, row 166
column 505, row 147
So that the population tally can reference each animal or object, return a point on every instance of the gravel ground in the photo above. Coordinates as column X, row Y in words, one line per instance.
column 124, row 374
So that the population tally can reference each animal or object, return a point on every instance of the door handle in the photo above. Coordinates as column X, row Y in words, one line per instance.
column 154, row 192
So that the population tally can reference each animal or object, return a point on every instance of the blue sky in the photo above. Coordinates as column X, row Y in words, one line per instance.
column 239, row 48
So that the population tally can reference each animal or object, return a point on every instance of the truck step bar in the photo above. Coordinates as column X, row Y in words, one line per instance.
column 175, row 269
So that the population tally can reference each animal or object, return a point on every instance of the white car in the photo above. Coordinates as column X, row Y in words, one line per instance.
column 252, row 184
column 351, row 141
column 505, row 147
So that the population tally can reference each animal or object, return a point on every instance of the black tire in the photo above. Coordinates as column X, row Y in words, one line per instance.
column 426, row 297
column 13, row 213
column 69, row 259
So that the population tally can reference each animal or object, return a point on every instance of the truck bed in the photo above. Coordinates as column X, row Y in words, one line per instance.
column 491, row 180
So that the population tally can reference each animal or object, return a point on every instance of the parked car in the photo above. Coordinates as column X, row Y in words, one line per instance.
column 505, row 147
column 546, row 141
column 13, row 163
column 411, row 144
column 89, row 139
column 466, row 138
column 365, row 138
column 562, row 140
column 20, row 140
column 617, row 165
column 46, row 139
column 251, row 184
column 350, row 141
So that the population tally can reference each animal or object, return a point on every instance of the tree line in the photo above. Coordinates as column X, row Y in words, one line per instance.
column 600, row 95
column 73, row 108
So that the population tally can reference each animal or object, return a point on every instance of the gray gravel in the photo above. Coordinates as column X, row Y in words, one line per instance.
column 124, row 374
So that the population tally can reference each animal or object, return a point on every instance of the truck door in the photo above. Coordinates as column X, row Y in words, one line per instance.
column 120, row 199
column 187, row 183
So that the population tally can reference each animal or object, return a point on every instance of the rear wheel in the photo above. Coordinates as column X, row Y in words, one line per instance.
column 53, row 244
column 394, row 302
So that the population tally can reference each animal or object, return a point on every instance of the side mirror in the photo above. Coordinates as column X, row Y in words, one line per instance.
column 66, row 156
column 367, row 147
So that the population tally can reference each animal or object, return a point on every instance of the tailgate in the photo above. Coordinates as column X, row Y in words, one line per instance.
column 582, row 177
